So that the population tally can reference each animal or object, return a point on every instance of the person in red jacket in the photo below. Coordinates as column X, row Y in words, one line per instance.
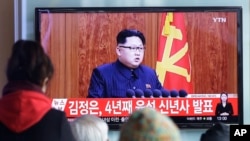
column 25, row 111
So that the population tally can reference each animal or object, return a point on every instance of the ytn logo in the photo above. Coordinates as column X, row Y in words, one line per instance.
column 219, row 20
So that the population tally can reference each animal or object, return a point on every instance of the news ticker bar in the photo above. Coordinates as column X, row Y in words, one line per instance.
column 177, row 119
column 201, row 122
column 239, row 132
column 74, row 107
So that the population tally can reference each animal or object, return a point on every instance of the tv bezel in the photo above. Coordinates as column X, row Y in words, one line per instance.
column 237, row 9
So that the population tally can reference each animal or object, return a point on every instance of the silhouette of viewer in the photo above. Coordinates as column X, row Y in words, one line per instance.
column 218, row 132
column 89, row 128
column 148, row 124
column 25, row 111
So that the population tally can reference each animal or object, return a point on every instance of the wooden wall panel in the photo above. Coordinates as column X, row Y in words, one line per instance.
column 71, row 57
column 213, row 52
column 55, row 28
column 151, row 32
column 80, row 42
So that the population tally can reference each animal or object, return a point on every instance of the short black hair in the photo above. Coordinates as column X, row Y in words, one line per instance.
column 29, row 62
column 122, row 35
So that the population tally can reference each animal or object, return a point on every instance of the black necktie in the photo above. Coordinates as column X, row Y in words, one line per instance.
column 133, row 75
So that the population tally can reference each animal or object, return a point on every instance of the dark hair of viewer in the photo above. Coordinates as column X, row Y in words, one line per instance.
column 29, row 62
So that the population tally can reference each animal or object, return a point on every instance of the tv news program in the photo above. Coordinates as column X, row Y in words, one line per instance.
column 196, row 52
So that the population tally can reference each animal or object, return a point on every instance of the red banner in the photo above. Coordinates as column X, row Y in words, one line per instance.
column 107, row 107
column 173, row 61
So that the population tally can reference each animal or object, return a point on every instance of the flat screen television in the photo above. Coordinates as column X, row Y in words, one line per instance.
column 198, row 49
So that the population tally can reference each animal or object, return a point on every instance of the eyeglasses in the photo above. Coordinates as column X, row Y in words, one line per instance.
column 140, row 49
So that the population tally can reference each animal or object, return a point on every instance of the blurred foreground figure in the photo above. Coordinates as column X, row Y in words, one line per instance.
column 219, row 132
column 25, row 111
column 147, row 124
column 89, row 128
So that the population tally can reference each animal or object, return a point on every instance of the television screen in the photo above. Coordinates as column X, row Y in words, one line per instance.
column 195, row 51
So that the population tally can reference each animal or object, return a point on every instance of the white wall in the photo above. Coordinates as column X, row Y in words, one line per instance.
column 26, row 27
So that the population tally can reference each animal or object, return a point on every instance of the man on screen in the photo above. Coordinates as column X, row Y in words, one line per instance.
column 126, row 73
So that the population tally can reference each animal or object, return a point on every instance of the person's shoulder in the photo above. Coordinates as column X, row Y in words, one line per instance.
column 218, row 104
column 218, row 132
column 54, row 118
column 105, row 66
column 55, row 113
column 146, row 68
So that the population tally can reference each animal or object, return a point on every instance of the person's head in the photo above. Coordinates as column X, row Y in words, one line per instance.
column 130, row 47
column 223, row 97
column 219, row 132
column 89, row 128
column 29, row 62
column 147, row 124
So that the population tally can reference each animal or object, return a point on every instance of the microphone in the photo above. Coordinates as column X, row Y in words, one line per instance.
column 139, row 93
column 182, row 93
column 165, row 93
column 174, row 93
column 148, row 93
column 157, row 93
column 130, row 93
